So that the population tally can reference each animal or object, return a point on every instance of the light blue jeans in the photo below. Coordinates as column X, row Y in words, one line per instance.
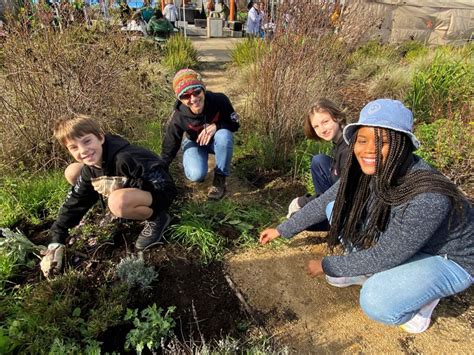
column 195, row 156
column 394, row 296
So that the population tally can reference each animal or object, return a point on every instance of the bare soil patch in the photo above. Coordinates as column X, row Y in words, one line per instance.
column 310, row 316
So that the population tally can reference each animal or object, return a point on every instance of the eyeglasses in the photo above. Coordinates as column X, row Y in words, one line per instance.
column 187, row 95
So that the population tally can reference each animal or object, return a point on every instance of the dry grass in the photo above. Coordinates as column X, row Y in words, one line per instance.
column 48, row 74
column 305, row 59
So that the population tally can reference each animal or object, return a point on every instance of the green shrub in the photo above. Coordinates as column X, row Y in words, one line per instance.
column 151, row 327
column 179, row 53
column 448, row 145
column 135, row 274
column 445, row 88
column 247, row 51
column 31, row 199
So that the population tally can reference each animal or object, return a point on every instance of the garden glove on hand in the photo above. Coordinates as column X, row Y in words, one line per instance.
column 52, row 262
column 105, row 185
column 293, row 207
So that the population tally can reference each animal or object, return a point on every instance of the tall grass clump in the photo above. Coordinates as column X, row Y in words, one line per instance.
column 448, row 145
column 213, row 227
column 305, row 59
column 179, row 53
column 47, row 75
column 31, row 198
column 446, row 87
column 247, row 51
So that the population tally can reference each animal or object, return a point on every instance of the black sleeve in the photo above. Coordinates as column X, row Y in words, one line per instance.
column 149, row 176
column 229, row 118
column 80, row 198
column 172, row 141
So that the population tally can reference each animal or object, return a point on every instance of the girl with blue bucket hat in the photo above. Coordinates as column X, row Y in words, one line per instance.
column 399, row 228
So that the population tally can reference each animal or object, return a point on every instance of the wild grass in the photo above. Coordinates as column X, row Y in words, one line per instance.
column 445, row 88
column 213, row 227
column 32, row 199
column 449, row 146
column 58, row 314
column 179, row 53
column 248, row 51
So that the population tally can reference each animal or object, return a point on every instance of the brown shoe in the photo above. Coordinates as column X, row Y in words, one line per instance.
column 217, row 190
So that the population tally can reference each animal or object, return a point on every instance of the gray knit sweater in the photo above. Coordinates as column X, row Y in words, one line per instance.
column 420, row 225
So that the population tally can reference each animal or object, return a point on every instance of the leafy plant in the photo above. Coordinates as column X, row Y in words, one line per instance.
column 14, row 251
column 179, row 53
column 151, row 328
column 134, row 273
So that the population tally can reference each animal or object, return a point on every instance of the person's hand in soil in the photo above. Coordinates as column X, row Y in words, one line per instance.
column 268, row 235
column 52, row 261
column 314, row 268
column 206, row 134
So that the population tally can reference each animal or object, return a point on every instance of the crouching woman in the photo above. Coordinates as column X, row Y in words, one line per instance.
column 403, row 230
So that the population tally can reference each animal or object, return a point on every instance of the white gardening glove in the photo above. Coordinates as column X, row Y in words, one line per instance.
column 52, row 261
column 293, row 207
column 105, row 185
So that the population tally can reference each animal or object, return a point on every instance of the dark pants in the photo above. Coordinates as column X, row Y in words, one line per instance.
column 322, row 181
column 321, row 173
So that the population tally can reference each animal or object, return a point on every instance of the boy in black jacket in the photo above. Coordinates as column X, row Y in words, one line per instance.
column 208, row 121
column 133, row 180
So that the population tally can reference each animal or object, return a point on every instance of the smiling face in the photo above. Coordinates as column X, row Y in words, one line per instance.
column 365, row 149
column 86, row 149
column 325, row 126
column 194, row 99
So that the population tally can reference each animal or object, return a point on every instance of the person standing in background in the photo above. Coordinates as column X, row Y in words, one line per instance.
column 254, row 20
column 170, row 12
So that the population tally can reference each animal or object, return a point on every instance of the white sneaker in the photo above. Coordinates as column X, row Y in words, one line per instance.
column 421, row 321
column 346, row 281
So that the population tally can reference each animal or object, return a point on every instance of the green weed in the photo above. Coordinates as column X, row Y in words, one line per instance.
column 151, row 327
column 31, row 199
column 445, row 88
column 179, row 53
column 247, row 52
column 210, row 227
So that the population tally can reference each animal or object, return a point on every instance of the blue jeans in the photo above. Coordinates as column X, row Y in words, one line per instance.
column 321, row 173
column 195, row 156
column 394, row 296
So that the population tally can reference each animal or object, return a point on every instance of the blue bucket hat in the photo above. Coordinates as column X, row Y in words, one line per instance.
column 384, row 113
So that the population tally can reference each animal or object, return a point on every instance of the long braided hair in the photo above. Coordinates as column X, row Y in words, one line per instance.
column 359, row 221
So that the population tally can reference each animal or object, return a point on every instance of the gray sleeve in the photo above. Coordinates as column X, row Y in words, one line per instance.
column 313, row 212
column 410, row 227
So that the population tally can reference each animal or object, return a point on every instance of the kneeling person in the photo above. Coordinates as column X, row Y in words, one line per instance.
column 202, row 123
column 134, row 181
